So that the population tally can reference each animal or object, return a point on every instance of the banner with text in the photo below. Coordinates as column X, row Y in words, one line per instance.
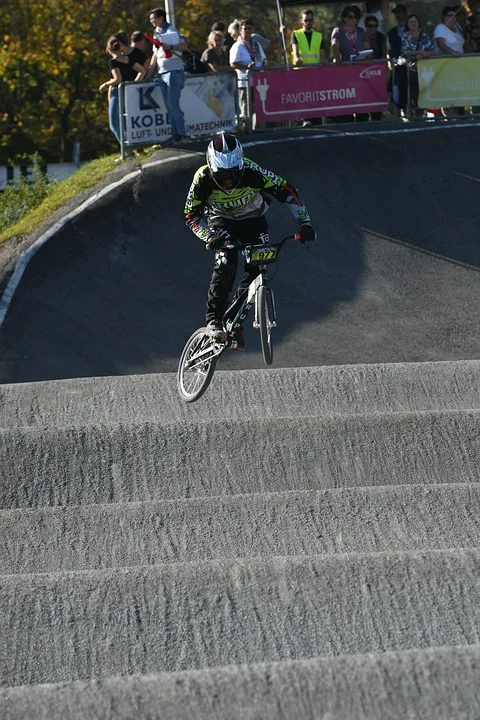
column 208, row 102
column 449, row 82
column 340, row 89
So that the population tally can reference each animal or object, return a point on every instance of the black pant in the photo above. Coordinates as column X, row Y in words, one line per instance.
column 253, row 230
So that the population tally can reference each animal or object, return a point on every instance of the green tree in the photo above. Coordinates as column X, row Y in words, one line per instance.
column 52, row 60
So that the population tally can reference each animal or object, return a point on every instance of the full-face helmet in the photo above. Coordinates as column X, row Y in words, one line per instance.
column 225, row 161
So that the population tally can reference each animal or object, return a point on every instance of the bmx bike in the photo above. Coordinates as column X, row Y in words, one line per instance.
column 201, row 352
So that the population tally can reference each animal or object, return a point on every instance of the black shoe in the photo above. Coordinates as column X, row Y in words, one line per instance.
column 237, row 341
column 216, row 331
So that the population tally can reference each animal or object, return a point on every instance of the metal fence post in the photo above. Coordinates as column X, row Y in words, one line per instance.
column 121, row 112
column 409, row 99
column 249, row 103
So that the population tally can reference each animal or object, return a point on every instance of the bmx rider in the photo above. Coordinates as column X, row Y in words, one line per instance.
column 227, row 201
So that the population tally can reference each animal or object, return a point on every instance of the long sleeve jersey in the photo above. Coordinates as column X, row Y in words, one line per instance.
column 206, row 201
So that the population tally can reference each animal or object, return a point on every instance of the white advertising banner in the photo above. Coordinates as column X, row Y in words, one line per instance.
column 208, row 103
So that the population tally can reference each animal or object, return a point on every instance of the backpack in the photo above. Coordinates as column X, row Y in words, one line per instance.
column 193, row 64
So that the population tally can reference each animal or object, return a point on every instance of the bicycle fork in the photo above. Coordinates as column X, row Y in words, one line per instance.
column 256, row 320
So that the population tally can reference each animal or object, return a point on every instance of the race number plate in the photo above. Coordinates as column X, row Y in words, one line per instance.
column 263, row 254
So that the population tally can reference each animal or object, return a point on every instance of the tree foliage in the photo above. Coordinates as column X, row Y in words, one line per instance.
column 52, row 60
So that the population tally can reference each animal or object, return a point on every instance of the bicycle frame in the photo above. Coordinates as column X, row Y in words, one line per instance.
column 202, row 350
column 247, row 298
column 238, row 310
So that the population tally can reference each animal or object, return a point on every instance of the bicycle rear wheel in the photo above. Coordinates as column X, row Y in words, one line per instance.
column 196, row 366
column 266, row 318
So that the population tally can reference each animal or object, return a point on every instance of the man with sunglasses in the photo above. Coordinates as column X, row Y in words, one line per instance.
column 308, row 46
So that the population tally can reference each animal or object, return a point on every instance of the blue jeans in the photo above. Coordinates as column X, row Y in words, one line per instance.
column 171, row 84
column 114, row 113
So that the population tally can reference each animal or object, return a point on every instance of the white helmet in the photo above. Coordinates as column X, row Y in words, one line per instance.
column 225, row 161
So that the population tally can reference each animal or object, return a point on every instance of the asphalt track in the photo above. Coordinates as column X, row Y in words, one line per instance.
column 392, row 278
column 304, row 541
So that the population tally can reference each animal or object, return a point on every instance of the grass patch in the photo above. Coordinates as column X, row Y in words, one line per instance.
column 25, row 208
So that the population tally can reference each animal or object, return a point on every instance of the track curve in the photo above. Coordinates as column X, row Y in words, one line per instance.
column 392, row 278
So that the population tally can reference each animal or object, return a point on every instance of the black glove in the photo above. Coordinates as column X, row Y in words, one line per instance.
column 306, row 233
column 215, row 243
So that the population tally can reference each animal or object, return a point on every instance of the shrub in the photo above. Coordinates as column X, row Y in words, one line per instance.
column 19, row 198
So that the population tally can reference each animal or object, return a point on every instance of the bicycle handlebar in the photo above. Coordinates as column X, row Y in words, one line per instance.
column 229, row 244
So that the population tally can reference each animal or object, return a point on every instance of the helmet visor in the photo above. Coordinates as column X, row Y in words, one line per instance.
column 228, row 179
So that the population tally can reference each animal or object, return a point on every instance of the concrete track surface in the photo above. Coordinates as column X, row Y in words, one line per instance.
column 303, row 542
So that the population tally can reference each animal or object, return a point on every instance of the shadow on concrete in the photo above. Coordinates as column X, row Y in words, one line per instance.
column 119, row 290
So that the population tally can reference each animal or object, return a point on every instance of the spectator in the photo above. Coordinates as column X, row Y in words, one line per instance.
column 227, row 39
column 348, row 39
column 234, row 31
column 449, row 41
column 140, row 42
column 193, row 63
column 123, row 37
column 125, row 64
column 215, row 56
column 377, row 8
column 394, row 35
column 265, row 42
column 376, row 39
column 246, row 54
column 416, row 45
column 308, row 46
column 394, row 50
column 167, row 60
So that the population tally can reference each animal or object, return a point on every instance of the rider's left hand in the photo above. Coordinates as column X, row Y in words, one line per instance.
column 215, row 243
column 306, row 233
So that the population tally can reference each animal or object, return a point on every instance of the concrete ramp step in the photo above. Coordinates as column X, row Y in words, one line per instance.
column 407, row 518
column 245, row 393
column 151, row 461
column 434, row 684
column 71, row 626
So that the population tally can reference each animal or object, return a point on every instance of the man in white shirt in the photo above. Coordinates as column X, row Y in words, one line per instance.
column 167, row 60
column 246, row 54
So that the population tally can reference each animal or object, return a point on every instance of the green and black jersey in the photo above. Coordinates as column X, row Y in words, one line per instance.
column 206, row 201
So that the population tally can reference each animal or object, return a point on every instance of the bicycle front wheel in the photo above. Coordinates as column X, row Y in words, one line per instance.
column 266, row 320
column 196, row 366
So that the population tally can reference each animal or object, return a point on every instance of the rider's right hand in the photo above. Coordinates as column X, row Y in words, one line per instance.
column 306, row 233
column 215, row 243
